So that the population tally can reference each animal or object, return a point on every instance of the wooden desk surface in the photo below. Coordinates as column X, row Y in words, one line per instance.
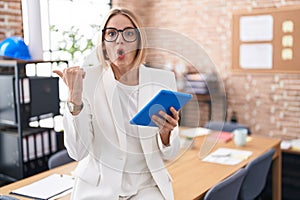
column 65, row 169
column 191, row 176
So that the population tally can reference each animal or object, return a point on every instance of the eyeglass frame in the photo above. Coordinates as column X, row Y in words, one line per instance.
column 122, row 31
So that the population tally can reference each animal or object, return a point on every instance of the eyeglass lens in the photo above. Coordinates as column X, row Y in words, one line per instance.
column 128, row 34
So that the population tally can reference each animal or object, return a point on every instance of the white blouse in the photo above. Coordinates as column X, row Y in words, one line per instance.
column 136, row 174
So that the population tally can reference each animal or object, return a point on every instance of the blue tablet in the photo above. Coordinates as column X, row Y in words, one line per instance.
column 162, row 101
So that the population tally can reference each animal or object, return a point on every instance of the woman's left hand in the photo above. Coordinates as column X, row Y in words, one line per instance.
column 166, row 124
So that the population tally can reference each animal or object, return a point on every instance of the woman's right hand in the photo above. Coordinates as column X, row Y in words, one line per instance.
column 73, row 78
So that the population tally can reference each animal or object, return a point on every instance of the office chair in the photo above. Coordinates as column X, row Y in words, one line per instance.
column 256, row 177
column 6, row 197
column 59, row 158
column 228, row 189
column 225, row 126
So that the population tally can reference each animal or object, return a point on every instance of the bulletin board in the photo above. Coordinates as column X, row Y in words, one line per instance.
column 266, row 40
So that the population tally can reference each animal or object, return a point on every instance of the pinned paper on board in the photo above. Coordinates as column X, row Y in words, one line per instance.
column 256, row 56
column 266, row 40
column 256, row 28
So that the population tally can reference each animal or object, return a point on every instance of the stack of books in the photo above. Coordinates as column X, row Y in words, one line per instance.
column 196, row 84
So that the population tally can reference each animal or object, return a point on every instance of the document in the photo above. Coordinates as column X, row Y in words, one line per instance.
column 47, row 188
column 256, row 28
column 228, row 156
column 256, row 56
column 194, row 132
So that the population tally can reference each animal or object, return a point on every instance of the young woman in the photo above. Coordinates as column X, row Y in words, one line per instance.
column 118, row 160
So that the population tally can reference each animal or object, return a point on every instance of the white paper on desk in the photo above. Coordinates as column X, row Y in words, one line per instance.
column 194, row 132
column 228, row 156
column 47, row 188
column 285, row 144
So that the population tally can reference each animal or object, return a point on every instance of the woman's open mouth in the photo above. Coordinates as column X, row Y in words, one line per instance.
column 121, row 54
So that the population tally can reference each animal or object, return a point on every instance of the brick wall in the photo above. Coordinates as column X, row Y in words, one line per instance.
column 268, row 103
column 10, row 19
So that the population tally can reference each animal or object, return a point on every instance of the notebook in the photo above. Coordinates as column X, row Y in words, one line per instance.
column 224, row 136
column 46, row 188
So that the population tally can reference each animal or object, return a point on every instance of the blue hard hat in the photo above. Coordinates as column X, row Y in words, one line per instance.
column 14, row 47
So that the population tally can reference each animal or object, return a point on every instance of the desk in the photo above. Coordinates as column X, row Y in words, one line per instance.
column 192, row 178
column 65, row 169
column 291, row 151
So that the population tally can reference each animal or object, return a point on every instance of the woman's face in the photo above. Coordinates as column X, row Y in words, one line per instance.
column 121, row 52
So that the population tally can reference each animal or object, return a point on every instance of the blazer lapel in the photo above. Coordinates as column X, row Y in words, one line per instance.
column 112, row 97
column 145, row 88
column 147, row 134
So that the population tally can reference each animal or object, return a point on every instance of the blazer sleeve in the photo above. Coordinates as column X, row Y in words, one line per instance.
column 78, row 130
column 170, row 152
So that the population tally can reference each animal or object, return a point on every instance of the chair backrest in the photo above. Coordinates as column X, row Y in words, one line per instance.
column 255, row 180
column 227, row 189
column 225, row 126
column 59, row 158
column 6, row 197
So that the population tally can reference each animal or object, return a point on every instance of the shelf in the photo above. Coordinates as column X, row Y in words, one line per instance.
column 25, row 150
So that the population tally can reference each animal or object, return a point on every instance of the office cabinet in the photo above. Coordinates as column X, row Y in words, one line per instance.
column 290, row 177
column 40, row 97
column 25, row 100
column 17, row 162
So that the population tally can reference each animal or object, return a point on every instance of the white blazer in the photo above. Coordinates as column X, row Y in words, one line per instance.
column 95, row 138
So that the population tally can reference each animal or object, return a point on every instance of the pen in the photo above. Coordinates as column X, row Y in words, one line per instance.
column 221, row 155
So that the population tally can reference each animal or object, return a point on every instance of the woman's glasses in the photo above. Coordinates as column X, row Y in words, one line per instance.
column 128, row 34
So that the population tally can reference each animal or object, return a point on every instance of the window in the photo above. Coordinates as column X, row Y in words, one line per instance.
column 59, row 18
column 62, row 18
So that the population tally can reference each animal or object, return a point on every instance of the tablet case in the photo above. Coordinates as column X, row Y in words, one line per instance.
column 162, row 101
